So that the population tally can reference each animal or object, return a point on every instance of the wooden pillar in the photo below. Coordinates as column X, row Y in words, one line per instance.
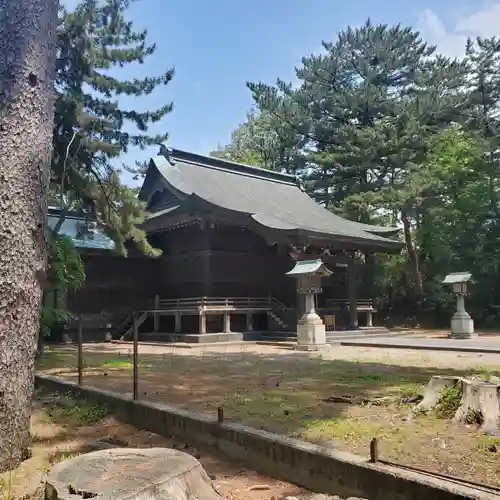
column 353, row 299
column 203, row 322
column 156, row 317
column 178, row 322
column 227, row 322
column 135, row 374
column 206, row 258
column 300, row 305
column 249, row 322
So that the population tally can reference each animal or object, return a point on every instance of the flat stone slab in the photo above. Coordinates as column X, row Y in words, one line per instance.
column 457, row 345
column 130, row 474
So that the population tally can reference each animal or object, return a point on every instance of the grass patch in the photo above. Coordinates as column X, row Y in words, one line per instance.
column 448, row 402
column 76, row 411
column 5, row 488
column 487, row 444
column 340, row 428
column 411, row 390
column 276, row 410
column 117, row 363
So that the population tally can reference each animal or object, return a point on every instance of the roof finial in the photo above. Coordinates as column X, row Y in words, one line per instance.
column 167, row 153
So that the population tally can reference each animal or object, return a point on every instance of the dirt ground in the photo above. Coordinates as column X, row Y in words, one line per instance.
column 283, row 391
column 61, row 433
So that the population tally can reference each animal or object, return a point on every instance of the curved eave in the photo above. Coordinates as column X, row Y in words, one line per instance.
column 163, row 218
column 378, row 230
column 287, row 232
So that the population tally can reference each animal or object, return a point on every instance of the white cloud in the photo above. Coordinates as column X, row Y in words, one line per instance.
column 451, row 36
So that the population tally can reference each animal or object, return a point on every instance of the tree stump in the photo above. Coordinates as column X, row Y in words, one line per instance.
column 131, row 474
column 432, row 392
column 479, row 404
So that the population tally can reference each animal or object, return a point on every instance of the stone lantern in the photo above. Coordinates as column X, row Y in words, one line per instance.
column 462, row 325
column 311, row 334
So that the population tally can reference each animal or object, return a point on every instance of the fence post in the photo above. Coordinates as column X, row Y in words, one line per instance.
column 135, row 390
column 156, row 317
column 80, row 350
column 220, row 414
column 374, row 450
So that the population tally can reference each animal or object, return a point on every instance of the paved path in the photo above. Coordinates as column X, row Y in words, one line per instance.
column 469, row 345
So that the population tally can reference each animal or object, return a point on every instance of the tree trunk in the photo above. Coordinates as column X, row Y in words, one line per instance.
column 27, row 67
column 412, row 254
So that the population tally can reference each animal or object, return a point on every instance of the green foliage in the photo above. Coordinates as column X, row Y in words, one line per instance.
column 72, row 410
column 95, row 40
column 66, row 272
column 261, row 141
column 65, row 267
column 380, row 127
column 51, row 316
column 449, row 401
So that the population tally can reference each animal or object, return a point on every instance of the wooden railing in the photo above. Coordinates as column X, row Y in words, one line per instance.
column 277, row 304
column 199, row 304
column 363, row 305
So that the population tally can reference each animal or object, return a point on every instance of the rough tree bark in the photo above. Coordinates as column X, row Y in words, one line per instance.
column 27, row 67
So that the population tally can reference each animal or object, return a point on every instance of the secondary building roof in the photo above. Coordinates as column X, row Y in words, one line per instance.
column 72, row 227
column 271, row 199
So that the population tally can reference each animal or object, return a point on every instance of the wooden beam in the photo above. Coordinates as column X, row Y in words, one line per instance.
column 327, row 259
column 353, row 299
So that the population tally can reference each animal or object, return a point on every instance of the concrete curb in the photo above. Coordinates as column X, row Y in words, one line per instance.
column 389, row 345
column 311, row 466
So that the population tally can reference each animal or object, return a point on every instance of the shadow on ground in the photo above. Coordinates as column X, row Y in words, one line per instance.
column 286, row 392
column 283, row 393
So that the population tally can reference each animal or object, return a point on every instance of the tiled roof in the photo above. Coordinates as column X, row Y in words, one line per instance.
column 272, row 199
column 71, row 227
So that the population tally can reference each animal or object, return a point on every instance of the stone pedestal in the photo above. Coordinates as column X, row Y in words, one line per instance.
column 462, row 325
column 108, row 336
column 311, row 333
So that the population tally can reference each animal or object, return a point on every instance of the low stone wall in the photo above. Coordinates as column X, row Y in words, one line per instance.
column 311, row 466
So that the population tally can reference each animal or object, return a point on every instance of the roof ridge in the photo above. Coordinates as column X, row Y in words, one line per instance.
column 230, row 166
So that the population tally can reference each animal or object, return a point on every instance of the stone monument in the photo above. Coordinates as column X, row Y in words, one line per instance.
column 462, row 325
column 311, row 333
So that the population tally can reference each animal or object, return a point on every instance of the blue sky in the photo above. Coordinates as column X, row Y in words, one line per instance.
column 216, row 46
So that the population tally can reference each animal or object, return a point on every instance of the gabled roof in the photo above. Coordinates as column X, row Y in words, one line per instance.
column 316, row 266
column 271, row 199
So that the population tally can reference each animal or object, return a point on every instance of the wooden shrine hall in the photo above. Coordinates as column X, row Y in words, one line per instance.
column 229, row 234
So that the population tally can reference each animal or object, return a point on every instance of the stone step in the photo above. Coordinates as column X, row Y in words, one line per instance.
column 337, row 337
column 278, row 343
column 277, row 339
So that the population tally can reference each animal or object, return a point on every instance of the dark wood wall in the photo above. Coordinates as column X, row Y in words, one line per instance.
column 223, row 261
column 217, row 261
column 116, row 284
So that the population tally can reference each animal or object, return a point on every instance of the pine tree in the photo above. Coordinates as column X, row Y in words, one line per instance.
column 367, row 106
column 484, row 58
column 95, row 40
column 27, row 56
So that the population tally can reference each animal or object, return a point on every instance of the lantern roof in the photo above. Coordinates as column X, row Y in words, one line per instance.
column 310, row 267
column 462, row 277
